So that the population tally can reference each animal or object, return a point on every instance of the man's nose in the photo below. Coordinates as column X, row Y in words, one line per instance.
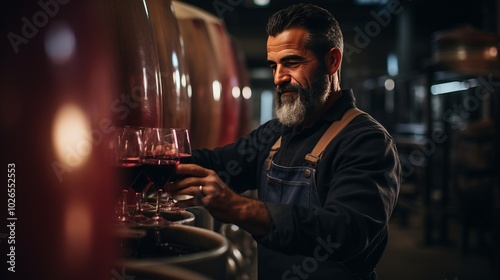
column 281, row 75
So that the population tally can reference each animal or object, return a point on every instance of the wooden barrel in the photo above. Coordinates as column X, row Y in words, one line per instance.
column 466, row 50
column 139, row 100
column 230, row 90
column 174, row 76
column 204, row 251
column 201, row 56
column 219, row 70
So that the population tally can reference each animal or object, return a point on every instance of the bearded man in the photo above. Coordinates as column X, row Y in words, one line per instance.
column 327, row 174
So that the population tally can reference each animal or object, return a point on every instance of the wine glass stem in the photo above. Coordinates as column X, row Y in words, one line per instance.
column 144, row 194
column 170, row 203
column 138, row 202
column 124, row 204
column 158, row 236
column 158, row 201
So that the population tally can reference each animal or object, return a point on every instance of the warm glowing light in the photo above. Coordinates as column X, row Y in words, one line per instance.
column 77, row 231
column 70, row 136
column 183, row 80
column 461, row 53
column 217, row 90
column 236, row 92
column 247, row 92
column 491, row 53
column 189, row 91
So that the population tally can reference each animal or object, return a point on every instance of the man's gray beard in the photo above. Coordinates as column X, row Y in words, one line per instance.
column 291, row 112
column 295, row 111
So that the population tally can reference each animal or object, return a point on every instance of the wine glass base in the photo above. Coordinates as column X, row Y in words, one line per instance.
column 160, row 222
column 140, row 219
column 170, row 207
column 125, row 221
column 123, row 218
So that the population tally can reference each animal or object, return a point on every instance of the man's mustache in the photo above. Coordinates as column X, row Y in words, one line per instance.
column 287, row 88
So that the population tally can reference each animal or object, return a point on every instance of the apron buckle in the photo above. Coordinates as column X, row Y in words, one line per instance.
column 312, row 159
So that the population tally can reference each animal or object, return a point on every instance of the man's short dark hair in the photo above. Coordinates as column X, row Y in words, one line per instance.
column 324, row 30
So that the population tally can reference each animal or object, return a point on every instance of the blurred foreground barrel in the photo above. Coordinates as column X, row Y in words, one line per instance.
column 55, row 89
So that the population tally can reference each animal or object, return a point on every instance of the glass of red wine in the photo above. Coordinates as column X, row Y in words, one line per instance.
column 140, row 185
column 159, row 159
column 127, row 147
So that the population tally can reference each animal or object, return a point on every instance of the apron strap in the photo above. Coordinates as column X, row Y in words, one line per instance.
column 272, row 152
column 315, row 155
column 335, row 128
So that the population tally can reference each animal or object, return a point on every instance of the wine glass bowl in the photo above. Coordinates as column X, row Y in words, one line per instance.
column 160, row 155
column 184, row 143
column 159, row 159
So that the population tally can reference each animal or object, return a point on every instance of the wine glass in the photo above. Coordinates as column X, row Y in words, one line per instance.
column 159, row 158
column 140, row 185
column 127, row 146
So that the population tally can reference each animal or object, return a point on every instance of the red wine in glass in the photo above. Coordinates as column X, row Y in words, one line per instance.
column 159, row 170
column 134, row 177
column 128, row 170
column 160, row 145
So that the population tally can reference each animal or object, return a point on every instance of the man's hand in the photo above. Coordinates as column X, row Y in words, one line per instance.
column 210, row 191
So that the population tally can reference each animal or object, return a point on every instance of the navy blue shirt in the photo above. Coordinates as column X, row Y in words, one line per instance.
column 357, row 181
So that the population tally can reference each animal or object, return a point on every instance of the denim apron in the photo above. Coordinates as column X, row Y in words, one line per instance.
column 297, row 186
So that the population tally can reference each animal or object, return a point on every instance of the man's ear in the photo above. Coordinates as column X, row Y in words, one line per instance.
column 333, row 60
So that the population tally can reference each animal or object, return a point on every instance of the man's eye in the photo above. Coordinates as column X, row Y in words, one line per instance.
column 291, row 63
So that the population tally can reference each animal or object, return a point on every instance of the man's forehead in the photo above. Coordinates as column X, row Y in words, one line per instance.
column 290, row 37
column 289, row 41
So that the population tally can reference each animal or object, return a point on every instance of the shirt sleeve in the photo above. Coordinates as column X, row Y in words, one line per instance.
column 239, row 164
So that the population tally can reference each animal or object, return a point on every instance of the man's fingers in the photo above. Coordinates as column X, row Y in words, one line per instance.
column 191, row 169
